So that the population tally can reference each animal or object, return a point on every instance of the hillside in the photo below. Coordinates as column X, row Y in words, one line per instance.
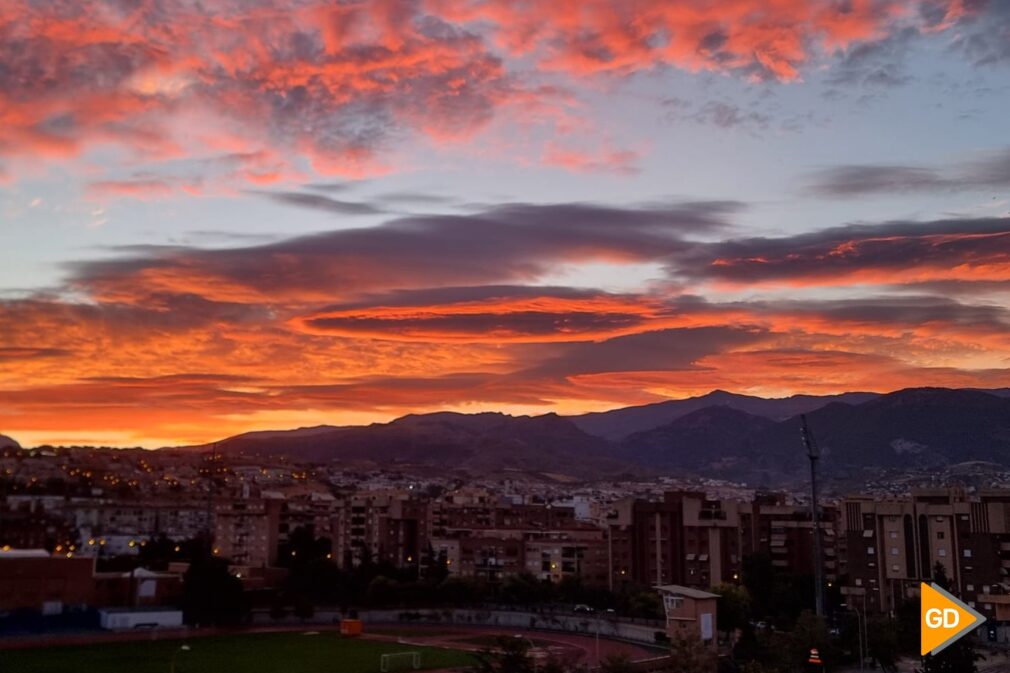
column 474, row 442
column 619, row 424
column 707, row 436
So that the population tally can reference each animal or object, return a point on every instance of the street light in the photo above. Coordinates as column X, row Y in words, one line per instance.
column 862, row 637
column 175, row 655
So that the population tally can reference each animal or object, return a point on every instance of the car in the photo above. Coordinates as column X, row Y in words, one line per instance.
column 582, row 607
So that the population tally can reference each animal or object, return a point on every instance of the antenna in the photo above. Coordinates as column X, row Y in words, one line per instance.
column 814, row 454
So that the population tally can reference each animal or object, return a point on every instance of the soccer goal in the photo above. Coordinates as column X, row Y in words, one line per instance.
column 397, row 660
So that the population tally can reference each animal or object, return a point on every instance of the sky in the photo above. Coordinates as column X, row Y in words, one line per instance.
column 228, row 215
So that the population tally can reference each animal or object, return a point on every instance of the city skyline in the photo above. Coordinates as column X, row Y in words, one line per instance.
column 230, row 216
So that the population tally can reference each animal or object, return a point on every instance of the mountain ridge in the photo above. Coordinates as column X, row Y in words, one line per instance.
column 709, row 436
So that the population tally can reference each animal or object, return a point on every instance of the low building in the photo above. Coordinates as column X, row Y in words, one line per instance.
column 123, row 619
column 33, row 579
column 690, row 613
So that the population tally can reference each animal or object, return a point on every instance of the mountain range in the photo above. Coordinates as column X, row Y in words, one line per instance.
column 718, row 435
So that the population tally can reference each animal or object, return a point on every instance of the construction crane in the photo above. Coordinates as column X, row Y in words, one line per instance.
column 814, row 454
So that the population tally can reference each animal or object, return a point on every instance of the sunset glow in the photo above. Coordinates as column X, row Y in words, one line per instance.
column 233, row 215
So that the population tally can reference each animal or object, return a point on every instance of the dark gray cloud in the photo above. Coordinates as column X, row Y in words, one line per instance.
column 660, row 350
column 506, row 243
column 413, row 197
column 875, row 64
column 331, row 187
column 983, row 34
column 989, row 172
column 323, row 203
column 728, row 115
column 892, row 252
column 720, row 113
column 909, row 310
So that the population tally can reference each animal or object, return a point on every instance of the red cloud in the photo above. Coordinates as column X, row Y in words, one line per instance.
column 757, row 38
column 336, row 82
column 623, row 162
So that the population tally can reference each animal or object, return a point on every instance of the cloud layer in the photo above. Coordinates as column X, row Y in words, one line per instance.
column 455, row 311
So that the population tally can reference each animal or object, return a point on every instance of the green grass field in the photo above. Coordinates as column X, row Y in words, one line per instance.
column 253, row 653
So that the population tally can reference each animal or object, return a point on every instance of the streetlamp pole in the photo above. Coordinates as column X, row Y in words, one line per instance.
column 860, row 620
column 175, row 655
column 815, row 515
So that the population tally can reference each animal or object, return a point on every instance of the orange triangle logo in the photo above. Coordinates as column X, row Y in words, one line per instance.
column 943, row 619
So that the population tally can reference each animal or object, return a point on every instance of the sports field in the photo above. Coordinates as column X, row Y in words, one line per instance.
column 252, row 653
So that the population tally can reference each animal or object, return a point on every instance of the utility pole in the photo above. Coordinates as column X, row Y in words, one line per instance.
column 210, row 499
column 815, row 516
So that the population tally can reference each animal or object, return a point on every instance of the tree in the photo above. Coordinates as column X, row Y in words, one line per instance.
column 302, row 547
column 304, row 608
column 734, row 606
column 616, row 663
column 959, row 657
column 508, row 655
column 810, row 633
column 382, row 591
column 211, row 594
column 643, row 604
column 759, row 579
column 523, row 589
column 691, row 655
column 884, row 642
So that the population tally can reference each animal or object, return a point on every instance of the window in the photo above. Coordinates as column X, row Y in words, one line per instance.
column 895, row 567
column 894, row 551
column 941, row 552
column 939, row 535
column 967, row 553
column 894, row 535
column 871, row 551
column 970, row 587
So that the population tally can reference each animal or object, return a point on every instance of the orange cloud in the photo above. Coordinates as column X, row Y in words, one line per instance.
column 413, row 315
column 758, row 39
column 622, row 162
column 336, row 83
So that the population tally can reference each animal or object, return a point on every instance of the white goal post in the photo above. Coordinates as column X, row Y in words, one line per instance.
column 389, row 660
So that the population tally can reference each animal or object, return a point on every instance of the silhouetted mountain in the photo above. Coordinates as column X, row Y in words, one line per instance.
column 477, row 442
column 8, row 443
column 920, row 427
column 621, row 423
column 702, row 441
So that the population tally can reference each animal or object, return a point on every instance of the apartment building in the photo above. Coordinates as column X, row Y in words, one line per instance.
column 688, row 539
column 890, row 546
